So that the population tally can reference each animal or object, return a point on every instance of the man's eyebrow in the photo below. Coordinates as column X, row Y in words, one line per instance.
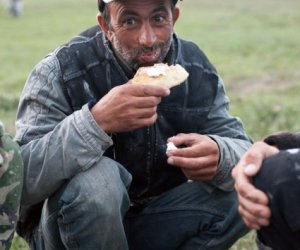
column 160, row 9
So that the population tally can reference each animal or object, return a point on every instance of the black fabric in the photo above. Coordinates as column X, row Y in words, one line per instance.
column 25, row 227
column 279, row 178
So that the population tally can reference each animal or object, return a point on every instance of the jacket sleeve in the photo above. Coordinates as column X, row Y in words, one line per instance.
column 56, row 142
column 228, row 132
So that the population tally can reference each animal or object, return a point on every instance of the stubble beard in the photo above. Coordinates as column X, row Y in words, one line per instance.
column 129, row 55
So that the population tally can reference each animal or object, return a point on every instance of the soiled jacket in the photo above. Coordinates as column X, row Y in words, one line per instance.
column 59, row 137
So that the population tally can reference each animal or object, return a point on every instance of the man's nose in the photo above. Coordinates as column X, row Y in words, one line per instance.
column 147, row 36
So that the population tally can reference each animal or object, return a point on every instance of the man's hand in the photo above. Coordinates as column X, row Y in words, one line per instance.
column 253, row 203
column 197, row 156
column 128, row 107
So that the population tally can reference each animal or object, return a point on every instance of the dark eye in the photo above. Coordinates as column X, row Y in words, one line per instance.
column 159, row 19
column 129, row 21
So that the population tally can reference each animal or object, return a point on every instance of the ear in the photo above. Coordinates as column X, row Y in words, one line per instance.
column 104, row 26
column 176, row 13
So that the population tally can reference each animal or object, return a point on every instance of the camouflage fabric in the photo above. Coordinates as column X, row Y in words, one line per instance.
column 11, row 173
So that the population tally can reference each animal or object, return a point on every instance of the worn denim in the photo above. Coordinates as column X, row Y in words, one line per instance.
column 88, row 213
column 192, row 216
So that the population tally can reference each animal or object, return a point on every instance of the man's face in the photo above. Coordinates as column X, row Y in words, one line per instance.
column 140, row 31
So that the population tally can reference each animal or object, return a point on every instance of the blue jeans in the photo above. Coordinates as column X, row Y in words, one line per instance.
column 92, row 211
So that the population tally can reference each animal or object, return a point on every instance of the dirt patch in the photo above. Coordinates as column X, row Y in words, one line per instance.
column 264, row 83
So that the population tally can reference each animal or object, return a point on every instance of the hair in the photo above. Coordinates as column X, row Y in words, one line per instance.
column 106, row 17
column 106, row 14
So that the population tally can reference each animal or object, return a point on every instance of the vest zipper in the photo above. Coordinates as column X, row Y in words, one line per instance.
column 150, row 159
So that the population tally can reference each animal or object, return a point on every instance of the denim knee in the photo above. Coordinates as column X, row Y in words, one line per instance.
column 88, row 210
column 102, row 189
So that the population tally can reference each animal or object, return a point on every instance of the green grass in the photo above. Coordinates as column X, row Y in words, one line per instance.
column 255, row 47
column 245, row 38
column 253, row 44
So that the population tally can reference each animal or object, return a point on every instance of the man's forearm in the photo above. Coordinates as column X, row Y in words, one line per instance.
column 74, row 145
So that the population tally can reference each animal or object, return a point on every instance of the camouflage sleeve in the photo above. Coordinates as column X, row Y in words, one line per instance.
column 11, row 175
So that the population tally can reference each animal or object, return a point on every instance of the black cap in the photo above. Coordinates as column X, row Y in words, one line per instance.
column 101, row 4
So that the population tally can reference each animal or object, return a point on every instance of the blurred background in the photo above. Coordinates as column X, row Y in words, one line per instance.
column 255, row 46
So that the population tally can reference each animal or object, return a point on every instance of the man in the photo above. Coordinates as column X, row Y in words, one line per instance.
column 271, row 204
column 94, row 144
column 11, row 175
column 15, row 7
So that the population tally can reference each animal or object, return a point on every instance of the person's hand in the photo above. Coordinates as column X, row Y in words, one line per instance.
column 197, row 156
column 253, row 203
column 128, row 107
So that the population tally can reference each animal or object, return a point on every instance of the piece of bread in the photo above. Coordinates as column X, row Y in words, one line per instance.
column 161, row 75
column 171, row 146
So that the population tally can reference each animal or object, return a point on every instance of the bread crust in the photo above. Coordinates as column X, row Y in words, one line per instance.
column 161, row 75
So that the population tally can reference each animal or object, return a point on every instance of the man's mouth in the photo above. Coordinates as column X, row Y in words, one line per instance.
column 149, row 56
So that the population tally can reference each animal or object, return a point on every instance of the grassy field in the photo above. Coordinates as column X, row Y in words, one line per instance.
column 253, row 44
